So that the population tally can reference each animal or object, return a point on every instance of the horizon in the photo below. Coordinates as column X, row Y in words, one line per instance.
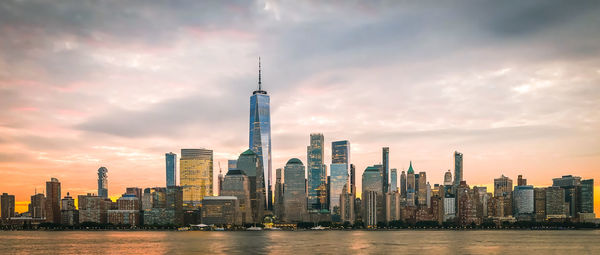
column 514, row 87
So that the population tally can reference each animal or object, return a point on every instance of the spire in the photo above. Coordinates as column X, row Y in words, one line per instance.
column 259, row 73
column 410, row 168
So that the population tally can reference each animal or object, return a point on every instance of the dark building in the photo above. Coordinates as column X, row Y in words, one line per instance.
column 385, row 153
column 53, row 201
column 585, row 194
column 8, row 206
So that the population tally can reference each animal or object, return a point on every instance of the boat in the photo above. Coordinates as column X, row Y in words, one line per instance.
column 318, row 228
column 255, row 228
column 219, row 229
column 183, row 229
column 273, row 228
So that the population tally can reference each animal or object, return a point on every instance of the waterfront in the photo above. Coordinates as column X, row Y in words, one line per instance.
column 301, row 242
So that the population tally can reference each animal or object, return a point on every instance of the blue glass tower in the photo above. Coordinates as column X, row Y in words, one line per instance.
column 171, row 162
column 260, row 135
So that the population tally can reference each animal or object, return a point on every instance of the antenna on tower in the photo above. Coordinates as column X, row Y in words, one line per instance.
column 259, row 75
column 219, row 167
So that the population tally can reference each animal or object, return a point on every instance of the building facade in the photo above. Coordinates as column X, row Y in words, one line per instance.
column 196, row 175
column 103, row 182
column 294, row 191
column 317, row 174
column 171, row 168
column 53, row 201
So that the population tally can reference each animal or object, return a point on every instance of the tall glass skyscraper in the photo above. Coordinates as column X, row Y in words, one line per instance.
column 338, row 180
column 385, row 152
column 103, row 182
column 458, row 168
column 260, row 134
column 171, row 165
column 196, row 175
column 317, row 174
column 340, row 152
column 394, row 180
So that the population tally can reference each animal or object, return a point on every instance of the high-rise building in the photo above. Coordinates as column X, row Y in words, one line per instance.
column 220, row 210
column 278, row 190
column 539, row 204
column 521, row 181
column 236, row 183
column 93, row 208
column 232, row 164
column 294, row 196
column 502, row 186
column 372, row 196
column 422, row 192
column 171, row 168
column 69, row 214
column 458, row 168
column 317, row 174
column 569, row 183
column 338, row 181
column 410, row 186
column 448, row 178
column 556, row 207
column 250, row 164
column 53, row 201
column 196, row 175
column 7, row 203
column 37, row 206
column 523, row 202
column 103, row 182
column 393, row 180
column 403, row 184
column 340, row 152
column 585, row 194
column 137, row 192
column 260, row 135
column 385, row 153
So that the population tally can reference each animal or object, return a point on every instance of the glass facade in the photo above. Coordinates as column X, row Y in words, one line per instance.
column 386, row 168
column 260, row 138
column 338, row 179
column 103, row 182
column 393, row 180
column 523, row 200
column 340, row 152
column 458, row 168
column 586, row 196
column 196, row 175
column 171, row 164
column 317, row 174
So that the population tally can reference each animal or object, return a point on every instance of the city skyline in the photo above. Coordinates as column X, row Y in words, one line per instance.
column 94, row 95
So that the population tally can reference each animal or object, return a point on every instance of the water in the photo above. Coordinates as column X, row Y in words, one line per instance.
column 301, row 242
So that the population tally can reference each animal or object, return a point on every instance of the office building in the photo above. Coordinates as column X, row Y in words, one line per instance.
column 250, row 164
column 69, row 214
column 569, row 183
column 338, row 181
column 521, row 181
column 372, row 196
column 448, row 178
column 7, row 202
column 260, row 136
column 523, row 202
column 53, row 201
column 556, row 207
column 422, row 189
column 410, row 186
column 37, row 206
column 294, row 191
column 585, row 194
column 196, row 175
column 236, row 183
column 403, row 184
column 385, row 153
column 502, row 186
column 393, row 180
column 220, row 210
column 539, row 204
column 458, row 168
column 340, row 152
column 93, row 208
column 171, row 168
column 317, row 175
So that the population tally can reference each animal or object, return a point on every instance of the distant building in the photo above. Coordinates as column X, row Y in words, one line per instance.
column 250, row 164
column 8, row 206
column 585, row 194
column 556, row 207
column 69, row 214
column 448, row 178
column 502, row 186
column 232, row 164
column 171, row 168
column 278, row 190
column 340, row 152
column 236, row 183
column 422, row 192
column 521, row 181
column 294, row 196
column 103, row 182
column 403, row 184
column 372, row 196
column 260, row 141
column 37, row 206
column 523, row 202
column 93, row 208
column 163, row 206
column 410, row 186
column 53, row 201
column 467, row 205
column 196, row 175
column 393, row 180
column 539, row 205
column 339, row 181
column 458, row 168
column 385, row 153
column 317, row 174
column 137, row 192
column 220, row 210
column 569, row 183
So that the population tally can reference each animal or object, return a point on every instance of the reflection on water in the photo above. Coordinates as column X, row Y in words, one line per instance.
column 300, row 242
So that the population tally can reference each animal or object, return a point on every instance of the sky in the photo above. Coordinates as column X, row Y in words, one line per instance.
column 513, row 85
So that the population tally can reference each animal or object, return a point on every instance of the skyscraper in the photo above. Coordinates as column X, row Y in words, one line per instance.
column 196, row 175
column 260, row 134
column 103, row 182
column 458, row 168
column 403, row 184
column 521, row 181
column 585, row 194
column 422, row 189
column 278, row 192
column 556, row 207
column 502, row 186
column 171, row 168
column 372, row 196
column 448, row 178
column 249, row 163
column 523, row 202
column 8, row 206
column 53, row 201
column 394, row 180
column 37, row 206
column 294, row 196
column 569, row 183
column 317, row 176
column 410, row 186
column 385, row 153
column 339, row 180
column 236, row 183
column 340, row 152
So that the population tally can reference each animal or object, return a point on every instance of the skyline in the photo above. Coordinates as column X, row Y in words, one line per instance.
column 81, row 96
